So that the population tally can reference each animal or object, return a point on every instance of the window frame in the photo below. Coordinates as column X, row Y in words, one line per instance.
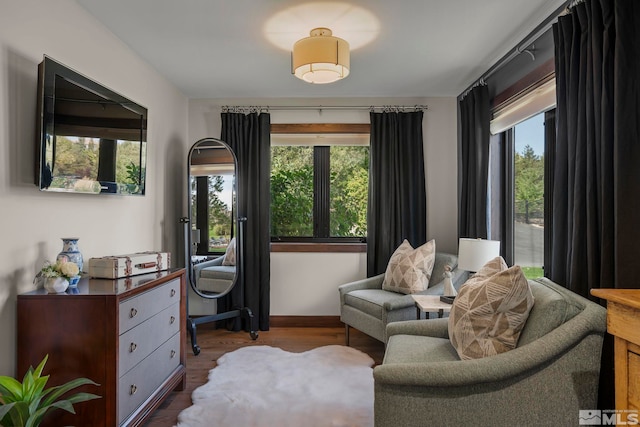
column 511, row 96
column 321, row 241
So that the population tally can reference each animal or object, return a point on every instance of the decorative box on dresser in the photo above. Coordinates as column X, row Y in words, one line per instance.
column 128, row 335
column 623, row 322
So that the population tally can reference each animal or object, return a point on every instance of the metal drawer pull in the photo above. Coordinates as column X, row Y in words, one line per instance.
column 173, row 319
column 132, row 347
column 133, row 313
column 133, row 389
column 173, row 354
column 173, row 292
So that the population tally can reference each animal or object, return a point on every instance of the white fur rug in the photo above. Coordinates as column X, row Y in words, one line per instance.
column 267, row 386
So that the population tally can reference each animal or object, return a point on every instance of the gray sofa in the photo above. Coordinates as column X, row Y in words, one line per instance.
column 364, row 305
column 551, row 374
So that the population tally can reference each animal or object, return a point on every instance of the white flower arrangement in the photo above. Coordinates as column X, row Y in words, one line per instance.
column 60, row 269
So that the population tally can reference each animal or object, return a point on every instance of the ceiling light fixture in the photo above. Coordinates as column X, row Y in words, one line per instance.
column 320, row 58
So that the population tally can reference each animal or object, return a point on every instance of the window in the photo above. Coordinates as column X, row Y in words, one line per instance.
column 528, row 195
column 523, row 135
column 319, row 187
column 212, row 201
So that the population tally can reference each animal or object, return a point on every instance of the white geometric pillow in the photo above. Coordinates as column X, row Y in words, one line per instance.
column 230, row 254
column 492, row 267
column 489, row 313
column 409, row 270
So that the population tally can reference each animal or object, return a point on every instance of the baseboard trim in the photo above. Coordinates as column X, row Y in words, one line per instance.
column 305, row 322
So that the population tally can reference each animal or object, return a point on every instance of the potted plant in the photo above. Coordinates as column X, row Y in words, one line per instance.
column 58, row 275
column 26, row 403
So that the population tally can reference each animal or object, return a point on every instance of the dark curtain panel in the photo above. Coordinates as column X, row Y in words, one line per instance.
column 249, row 137
column 498, row 196
column 473, row 164
column 397, row 207
column 549, row 163
column 596, row 191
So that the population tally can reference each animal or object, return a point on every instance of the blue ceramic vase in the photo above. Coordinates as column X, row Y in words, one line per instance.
column 70, row 253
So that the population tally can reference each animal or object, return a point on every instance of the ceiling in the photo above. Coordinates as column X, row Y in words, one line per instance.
column 400, row 48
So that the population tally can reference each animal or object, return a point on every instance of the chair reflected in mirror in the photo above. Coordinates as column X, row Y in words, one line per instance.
column 213, row 233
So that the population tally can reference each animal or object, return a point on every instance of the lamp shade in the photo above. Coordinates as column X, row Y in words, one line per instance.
column 320, row 58
column 474, row 253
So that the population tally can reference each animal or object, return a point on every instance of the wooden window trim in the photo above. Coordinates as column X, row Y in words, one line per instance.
column 320, row 128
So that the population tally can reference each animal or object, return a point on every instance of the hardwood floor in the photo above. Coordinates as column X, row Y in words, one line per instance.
column 216, row 342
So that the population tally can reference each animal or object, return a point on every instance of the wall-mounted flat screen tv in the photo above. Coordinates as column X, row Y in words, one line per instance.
column 90, row 139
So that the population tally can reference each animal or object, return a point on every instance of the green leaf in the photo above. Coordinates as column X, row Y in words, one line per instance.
column 56, row 392
column 19, row 413
column 38, row 371
column 4, row 409
column 82, row 397
column 10, row 387
column 36, row 418
column 64, row 404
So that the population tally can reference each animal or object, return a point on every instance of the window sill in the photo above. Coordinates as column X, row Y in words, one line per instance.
column 319, row 247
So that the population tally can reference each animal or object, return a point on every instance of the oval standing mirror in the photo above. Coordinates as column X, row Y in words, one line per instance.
column 213, row 231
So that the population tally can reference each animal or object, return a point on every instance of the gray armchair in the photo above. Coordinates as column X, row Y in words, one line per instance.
column 213, row 277
column 551, row 374
column 364, row 305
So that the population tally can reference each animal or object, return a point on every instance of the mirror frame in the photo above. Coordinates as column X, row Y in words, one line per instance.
column 237, row 222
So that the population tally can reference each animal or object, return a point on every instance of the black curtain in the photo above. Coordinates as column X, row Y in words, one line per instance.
column 473, row 167
column 596, row 184
column 249, row 137
column 397, row 200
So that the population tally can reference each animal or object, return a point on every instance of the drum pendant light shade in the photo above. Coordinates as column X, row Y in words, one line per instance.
column 320, row 58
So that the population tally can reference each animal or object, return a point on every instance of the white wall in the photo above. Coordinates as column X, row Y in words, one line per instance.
column 306, row 283
column 32, row 222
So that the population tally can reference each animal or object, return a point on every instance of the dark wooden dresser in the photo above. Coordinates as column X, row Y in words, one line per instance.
column 623, row 322
column 128, row 335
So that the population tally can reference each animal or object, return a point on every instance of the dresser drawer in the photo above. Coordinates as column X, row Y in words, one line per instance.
column 137, row 343
column 141, row 381
column 136, row 310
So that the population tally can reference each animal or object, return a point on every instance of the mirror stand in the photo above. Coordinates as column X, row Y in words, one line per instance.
column 214, row 224
column 193, row 322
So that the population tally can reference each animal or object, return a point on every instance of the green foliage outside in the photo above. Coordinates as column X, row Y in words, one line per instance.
column 349, row 191
column 529, row 186
column 292, row 191
column 219, row 213
column 533, row 272
column 77, row 161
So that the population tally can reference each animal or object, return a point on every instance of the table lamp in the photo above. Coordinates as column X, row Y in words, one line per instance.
column 474, row 253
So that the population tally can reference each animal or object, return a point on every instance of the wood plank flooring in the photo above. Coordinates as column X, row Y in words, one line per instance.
column 216, row 342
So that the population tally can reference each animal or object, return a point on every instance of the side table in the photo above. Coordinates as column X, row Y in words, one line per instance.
column 430, row 303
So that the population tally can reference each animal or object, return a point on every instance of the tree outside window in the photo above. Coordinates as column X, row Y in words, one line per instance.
column 319, row 192
column 529, row 196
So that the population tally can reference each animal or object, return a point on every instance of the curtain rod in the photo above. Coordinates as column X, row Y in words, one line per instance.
column 384, row 108
column 521, row 47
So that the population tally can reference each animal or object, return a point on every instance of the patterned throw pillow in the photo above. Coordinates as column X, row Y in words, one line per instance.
column 492, row 267
column 230, row 254
column 489, row 312
column 409, row 270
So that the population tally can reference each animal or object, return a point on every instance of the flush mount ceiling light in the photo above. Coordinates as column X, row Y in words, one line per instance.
column 320, row 58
